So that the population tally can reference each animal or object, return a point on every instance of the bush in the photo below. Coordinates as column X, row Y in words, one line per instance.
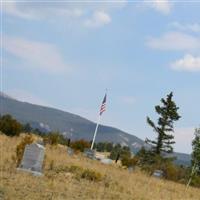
column 55, row 138
column 28, row 139
column 195, row 181
column 91, row 175
column 123, row 151
column 52, row 138
column 80, row 172
column 129, row 162
column 80, row 145
column 10, row 126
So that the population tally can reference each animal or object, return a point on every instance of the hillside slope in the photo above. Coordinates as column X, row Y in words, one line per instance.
column 58, row 183
column 75, row 126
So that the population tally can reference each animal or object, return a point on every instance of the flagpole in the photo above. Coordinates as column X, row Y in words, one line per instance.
column 95, row 132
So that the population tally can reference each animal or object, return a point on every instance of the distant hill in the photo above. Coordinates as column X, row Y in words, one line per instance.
column 74, row 126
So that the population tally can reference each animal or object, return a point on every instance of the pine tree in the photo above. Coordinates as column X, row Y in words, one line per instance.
column 196, row 150
column 167, row 115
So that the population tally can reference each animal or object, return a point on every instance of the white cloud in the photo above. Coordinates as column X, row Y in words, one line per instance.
column 98, row 19
column 12, row 9
column 90, row 14
column 187, row 63
column 41, row 10
column 163, row 6
column 183, row 138
column 174, row 41
column 193, row 27
column 33, row 54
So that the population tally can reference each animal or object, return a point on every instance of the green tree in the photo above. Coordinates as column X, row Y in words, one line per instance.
column 80, row 145
column 167, row 115
column 27, row 128
column 196, row 150
column 10, row 126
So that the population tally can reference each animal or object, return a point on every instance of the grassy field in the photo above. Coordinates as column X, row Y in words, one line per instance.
column 63, row 180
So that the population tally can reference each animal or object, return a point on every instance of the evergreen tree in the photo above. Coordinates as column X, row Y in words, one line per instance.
column 167, row 115
column 10, row 126
column 27, row 128
column 196, row 150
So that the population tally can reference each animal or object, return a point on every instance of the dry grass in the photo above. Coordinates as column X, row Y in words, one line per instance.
column 116, row 183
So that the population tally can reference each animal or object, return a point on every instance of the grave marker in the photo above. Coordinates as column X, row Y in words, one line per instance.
column 158, row 173
column 70, row 151
column 89, row 153
column 32, row 160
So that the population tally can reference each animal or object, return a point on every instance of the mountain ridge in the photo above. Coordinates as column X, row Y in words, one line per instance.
column 72, row 125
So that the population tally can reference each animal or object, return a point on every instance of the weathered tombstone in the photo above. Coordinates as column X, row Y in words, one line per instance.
column 106, row 161
column 89, row 153
column 158, row 173
column 70, row 151
column 130, row 169
column 32, row 160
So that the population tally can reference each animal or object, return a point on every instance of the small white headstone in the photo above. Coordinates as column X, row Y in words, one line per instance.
column 32, row 160
column 158, row 173
column 106, row 161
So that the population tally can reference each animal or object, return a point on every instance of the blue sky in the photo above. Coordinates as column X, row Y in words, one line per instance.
column 65, row 54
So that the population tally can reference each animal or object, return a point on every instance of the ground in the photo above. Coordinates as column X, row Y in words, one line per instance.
column 62, row 179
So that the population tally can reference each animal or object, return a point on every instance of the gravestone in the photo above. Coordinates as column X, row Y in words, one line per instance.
column 32, row 160
column 106, row 161
column 89, row 153
column 70, row 151
column 158, row 173
column 130, row 169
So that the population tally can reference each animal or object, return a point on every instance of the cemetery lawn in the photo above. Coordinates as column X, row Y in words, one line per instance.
column 77, row 177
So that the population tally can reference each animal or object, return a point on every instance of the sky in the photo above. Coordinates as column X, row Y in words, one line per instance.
column 65, row 54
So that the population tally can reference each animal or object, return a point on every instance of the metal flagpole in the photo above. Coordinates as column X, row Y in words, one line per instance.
column 98, row 122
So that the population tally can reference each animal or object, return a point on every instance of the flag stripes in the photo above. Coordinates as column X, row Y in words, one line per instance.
column 103, row 105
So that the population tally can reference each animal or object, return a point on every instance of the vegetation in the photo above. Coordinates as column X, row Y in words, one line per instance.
column 104, row 146
column 168, row 114
column 196, row 150
column 80, row 145
column 10, row 126
column 195, row 168
column 115, row 182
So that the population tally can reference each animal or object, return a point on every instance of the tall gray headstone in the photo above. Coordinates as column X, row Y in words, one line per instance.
column 32, row 160
column 70, row 151
column 89, row 153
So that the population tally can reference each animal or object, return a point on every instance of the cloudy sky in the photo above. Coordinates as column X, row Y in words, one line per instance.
column 65, row 54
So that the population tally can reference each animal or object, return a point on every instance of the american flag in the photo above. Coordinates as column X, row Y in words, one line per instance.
column 103, row 105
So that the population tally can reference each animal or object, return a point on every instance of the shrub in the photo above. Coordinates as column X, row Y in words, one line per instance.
column 10, row 126
column 80, row 172
column 129, row 162
column 55, row 138
column 195, row 181
column 28, row 139
column 91, row 175
column 80, row 145
column 52, row 138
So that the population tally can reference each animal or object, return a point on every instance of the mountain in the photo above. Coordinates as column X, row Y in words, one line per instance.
column 74, row 126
